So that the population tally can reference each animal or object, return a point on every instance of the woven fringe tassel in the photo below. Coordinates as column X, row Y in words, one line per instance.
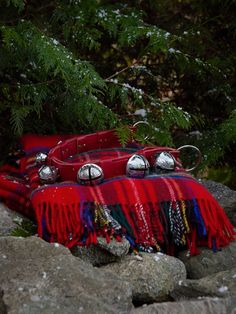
column 209, row 226
column 76, row 223
column 61, row 223
column 166, row 226
column 219, row 228
column 124, row 215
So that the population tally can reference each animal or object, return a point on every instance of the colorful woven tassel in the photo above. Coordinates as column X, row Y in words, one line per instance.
column 145, row 214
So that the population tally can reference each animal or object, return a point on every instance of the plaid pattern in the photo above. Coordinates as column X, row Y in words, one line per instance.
column 165, row 212
column 149, row 210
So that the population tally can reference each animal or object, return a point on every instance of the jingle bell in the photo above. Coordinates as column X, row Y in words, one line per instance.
column 40, row 158
column 165, row 161
column 90, row 174
column 48, row 174
column 137, row 166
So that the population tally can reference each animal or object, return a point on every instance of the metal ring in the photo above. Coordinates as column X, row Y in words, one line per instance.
column 141, row 122
column 198, row 159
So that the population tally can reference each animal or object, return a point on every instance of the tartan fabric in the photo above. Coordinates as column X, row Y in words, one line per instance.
column 184, row 204
column 14, row 192
column 166, row 211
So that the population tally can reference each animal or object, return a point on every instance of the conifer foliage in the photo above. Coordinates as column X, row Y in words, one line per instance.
column 75, row 66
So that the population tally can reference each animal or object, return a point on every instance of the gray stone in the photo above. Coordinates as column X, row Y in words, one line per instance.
column 38, row 277
column 152, row 276
column 225, row 196
column 114, row 247
column 9, row 220
column 222, row 284
column 93, row 255
column 203, row 306
column 103, row 253
column 3, row 308
column 208, row 262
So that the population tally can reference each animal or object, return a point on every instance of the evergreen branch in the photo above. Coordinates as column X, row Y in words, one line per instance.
column 48, row 82
column 172, row 114
column 20, row 4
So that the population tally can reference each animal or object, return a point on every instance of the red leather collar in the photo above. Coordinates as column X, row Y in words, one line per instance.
column 113, row 166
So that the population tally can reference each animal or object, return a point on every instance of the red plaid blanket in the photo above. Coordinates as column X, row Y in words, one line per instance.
column 161, row 211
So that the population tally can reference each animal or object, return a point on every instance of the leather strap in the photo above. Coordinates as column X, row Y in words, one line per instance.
column 60, row 155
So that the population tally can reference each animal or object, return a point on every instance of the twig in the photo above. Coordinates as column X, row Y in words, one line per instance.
column 121, row 71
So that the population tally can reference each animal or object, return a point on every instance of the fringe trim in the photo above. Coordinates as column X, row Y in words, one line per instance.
column 166, row 226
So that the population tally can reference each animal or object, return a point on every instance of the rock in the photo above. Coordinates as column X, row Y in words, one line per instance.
column 152, row 276
column 103, row 253
column 208, row 262
column 9, row 220
column 93, row 255
column 225, row 196
column 203, row 306
column 116, row 248
column 222, row 284
column 38, row 277
column 3, row 308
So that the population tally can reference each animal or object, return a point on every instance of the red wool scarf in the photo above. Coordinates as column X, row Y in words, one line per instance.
column 166, row 212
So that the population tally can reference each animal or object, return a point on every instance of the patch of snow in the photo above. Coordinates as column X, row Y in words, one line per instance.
column 141, row 112
column 171, row 50
column 223, row 289
column 138, row 257
column 18, row 220
column 156, row 258
column 56, row 42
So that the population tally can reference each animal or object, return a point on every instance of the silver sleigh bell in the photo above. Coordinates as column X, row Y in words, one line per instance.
column 40, row 158
column 165, row 161
column 137, row 166
column 48, row 174
column 90, row 174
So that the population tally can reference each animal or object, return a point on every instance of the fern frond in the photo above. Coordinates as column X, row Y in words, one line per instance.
column 20, row 4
